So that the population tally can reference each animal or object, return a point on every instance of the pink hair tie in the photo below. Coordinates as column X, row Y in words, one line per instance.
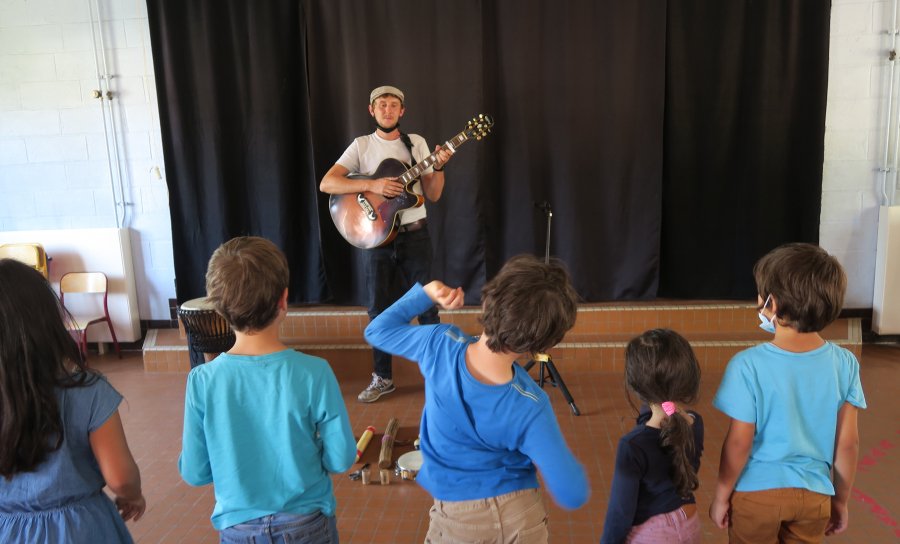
column 669, row 408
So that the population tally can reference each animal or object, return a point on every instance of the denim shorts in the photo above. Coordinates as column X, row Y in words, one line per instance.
column 316, row 528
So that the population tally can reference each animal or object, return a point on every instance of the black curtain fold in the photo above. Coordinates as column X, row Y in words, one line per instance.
column 234, row 113
column 744, row 139
column 674, row 141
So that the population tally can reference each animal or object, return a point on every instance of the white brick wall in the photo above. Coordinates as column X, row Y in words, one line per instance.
column 858, row 82
column 54, row 172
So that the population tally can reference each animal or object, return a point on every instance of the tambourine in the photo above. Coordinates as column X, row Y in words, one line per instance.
column 409, row 464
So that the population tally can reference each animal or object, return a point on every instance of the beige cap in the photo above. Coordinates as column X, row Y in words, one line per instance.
column 383, row 90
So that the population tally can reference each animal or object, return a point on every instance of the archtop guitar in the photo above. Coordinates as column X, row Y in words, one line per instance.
column 369, row 220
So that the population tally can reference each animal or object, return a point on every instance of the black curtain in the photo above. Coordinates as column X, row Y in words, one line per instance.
column 576, row 92
column 744, row 139
column 606, row 110
column 234, row 112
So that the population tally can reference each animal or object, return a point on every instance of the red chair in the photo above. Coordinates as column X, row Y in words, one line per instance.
column 87, row 283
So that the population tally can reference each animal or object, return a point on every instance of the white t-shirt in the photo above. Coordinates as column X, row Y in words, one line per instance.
column 366, row 153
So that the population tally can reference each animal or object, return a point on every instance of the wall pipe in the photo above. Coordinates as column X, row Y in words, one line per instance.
column 106, row 97
column 100, row 95
column 886, row 162
column 892, row 166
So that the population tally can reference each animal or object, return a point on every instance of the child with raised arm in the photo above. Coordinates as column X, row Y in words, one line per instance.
column 61, row 437
column 789, row 456
column 486, row 426
column 652, row 497
column 264, row 423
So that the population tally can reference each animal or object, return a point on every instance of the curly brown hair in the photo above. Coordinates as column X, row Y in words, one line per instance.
column 806, row 282
column 528, row 306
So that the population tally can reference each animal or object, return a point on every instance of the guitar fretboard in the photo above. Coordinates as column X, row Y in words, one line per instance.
column 429, row 161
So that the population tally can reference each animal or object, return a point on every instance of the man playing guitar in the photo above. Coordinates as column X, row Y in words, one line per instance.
column 409, row 254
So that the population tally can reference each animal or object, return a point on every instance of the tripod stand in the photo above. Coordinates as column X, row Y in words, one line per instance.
column 548, row 371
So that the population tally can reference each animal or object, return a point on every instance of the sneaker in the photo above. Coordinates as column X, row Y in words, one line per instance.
column 378, row 387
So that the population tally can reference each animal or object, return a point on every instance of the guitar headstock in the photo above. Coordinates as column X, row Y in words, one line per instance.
column 479, row 126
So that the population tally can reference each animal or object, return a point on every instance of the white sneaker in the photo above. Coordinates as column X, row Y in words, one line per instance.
column 378, row 387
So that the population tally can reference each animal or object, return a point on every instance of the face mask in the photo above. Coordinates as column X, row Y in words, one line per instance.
column 767, row 324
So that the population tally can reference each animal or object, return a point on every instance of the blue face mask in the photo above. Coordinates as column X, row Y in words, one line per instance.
column 767, row 324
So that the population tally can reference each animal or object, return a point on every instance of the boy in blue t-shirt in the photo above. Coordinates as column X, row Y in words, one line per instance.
column 486, row 425
column 264, row 423
column 789, row 457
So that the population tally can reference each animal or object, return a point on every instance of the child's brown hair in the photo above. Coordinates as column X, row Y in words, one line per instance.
column 245, row 279
column 528, row 306
column 806, row 282
column 660, row 366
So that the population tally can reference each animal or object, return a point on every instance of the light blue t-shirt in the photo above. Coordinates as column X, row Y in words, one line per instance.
column 793, row 399
column 478, row 440
column 266, row 430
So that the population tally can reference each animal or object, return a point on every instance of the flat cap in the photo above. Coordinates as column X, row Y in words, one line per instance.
column 383, row 90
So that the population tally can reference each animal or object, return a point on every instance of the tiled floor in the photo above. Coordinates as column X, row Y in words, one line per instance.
column 398, row 513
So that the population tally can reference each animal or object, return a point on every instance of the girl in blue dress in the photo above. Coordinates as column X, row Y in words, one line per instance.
column 61, row 438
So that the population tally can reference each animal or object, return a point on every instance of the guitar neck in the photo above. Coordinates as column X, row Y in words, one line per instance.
column 416, row 171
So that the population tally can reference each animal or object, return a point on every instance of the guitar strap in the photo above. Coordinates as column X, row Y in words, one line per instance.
column 408, row 143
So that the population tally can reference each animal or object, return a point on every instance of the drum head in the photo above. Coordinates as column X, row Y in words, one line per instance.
column 410, row 461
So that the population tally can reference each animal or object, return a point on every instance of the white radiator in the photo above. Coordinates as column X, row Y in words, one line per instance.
column 93, row 250
column 886, row 303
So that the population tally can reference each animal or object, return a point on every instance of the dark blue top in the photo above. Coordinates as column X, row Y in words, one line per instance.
column 642, row 485
column 478, row 440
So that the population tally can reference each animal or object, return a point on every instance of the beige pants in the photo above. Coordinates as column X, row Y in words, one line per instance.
column 793, row 515
column 518, row 517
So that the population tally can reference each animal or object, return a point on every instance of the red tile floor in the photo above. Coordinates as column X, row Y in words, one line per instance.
column 398, row 513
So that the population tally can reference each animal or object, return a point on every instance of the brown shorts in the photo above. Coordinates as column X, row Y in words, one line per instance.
column 518, row 517
column 779, row 515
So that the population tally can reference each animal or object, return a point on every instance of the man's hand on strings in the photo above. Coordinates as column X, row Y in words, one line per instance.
column 448, row 298
column 386, row 187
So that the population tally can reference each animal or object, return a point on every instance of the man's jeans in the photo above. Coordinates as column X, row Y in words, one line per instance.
column 403, row 262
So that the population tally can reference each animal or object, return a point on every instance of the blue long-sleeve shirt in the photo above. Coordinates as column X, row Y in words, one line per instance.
column 477, row 440
column 266, row 430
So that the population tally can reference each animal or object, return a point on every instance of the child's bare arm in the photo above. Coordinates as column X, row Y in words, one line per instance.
column 447, row 297
column 846, row 453
column 118, row 467
column 735, row 452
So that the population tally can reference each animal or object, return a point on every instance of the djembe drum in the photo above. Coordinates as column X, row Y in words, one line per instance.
column 208, row 332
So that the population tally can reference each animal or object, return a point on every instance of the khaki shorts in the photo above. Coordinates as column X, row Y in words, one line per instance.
column 778, row 515
column 518, row 517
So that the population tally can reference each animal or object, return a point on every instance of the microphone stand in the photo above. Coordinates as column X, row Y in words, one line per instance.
column 548, row 372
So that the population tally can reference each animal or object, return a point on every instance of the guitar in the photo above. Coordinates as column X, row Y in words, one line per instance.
column 369, row 220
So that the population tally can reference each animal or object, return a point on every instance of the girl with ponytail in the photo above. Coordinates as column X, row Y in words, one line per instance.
column 652, row 496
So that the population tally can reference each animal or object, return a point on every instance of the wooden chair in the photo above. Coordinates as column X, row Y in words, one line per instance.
column 31, row 254
column 87, row 283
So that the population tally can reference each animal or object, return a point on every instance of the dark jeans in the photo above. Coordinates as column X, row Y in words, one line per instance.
column 390, row 272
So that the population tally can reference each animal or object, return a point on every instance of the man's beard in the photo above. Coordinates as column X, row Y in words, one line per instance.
column 387, row 130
